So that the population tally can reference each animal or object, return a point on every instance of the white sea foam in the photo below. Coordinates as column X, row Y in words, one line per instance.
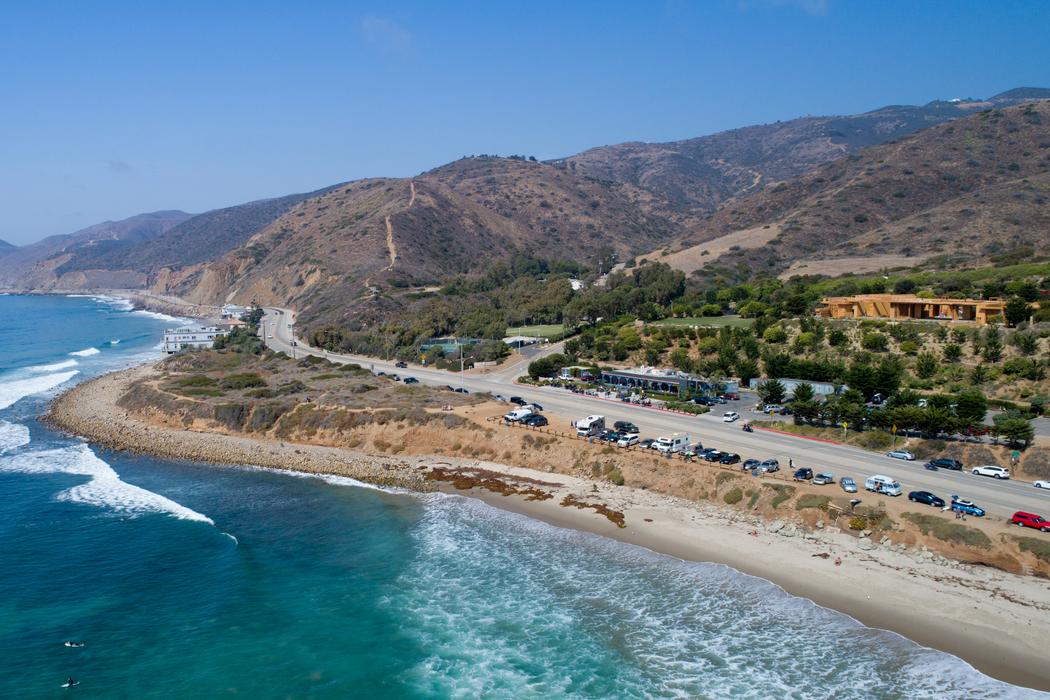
column 159, row 316
column 104, row 489
column 18, row 389
column 86, row 352
column 53, row 367
column 115, row 341
column 620, row 620
column 12, row 436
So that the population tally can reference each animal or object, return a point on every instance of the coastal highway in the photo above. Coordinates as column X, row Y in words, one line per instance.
column 1001, row 498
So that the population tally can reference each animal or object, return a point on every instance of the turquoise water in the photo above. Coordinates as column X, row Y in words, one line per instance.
column 197, row 581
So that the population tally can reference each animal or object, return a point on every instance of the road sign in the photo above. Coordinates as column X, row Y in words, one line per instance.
column 894, row 429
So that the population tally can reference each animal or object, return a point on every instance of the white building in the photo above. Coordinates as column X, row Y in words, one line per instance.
column 176, row 339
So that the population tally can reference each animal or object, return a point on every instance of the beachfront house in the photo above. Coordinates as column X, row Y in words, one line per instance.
column 177, row 339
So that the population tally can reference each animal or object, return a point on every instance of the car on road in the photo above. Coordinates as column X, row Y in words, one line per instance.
column 535, row 421
column 963, row 505
column 729, row 458
column 823, row 478
column 901, row 454
column 518, row 400
column 730, row 416
column 803, row 474
column 628, row 440
column 991, row 470
column 410, row 380
column 848, row 484
column 944, row 463
column 1041, row 484
column 750, row 464
column 1032, row 520
column 770, row 465
column 927, row 498
column 401, row 364
column 626, row 426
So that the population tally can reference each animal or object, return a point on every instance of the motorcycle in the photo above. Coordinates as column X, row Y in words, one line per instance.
column 746, row 427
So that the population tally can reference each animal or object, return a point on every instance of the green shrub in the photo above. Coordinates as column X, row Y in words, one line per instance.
column 201, row 391
column 784, row 492
column 948, row 530
column 754, row 496
column 194, row 380
column 723, row 477
column 875, row 440
column 1038, row 547
column 812, row 500
column 242, row 381
column 231, row 415
column 858, row 522
column 616, row 477
column 733, row 496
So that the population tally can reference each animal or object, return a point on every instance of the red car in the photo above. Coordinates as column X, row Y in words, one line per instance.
column 1038, row 522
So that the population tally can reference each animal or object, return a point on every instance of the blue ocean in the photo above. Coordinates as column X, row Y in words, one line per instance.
column 199, row 581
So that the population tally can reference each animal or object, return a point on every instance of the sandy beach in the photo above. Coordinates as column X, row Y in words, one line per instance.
column 994, row 620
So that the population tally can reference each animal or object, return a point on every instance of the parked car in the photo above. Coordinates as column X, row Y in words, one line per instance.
column 394, row 377
column 823, row 478
column 380, row 374
column 967, row 506
column 410, row 380
column 731, row 396
column 772, row 408
column 901, row 454
column 518, row 414
column 992, row 471
column 625, row 426
column 718, row 400
column 628, row 440
column 1041, row 484
column 535, row 421
column 460, row 390
column 646, row 444
column 945, row 463
column 750, row 464
column 712, row 455
column 400, row 364
column 704, row 401
column 1032, row 520
column 848, row 484
column 609, row 435
column 730, row 416
column 770, row 465
column 803, row 474
column 729, row 458
column 927, row 498
column 518, row 400
column 535, row 407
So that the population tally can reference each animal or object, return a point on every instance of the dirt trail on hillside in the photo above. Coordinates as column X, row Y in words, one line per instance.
column 390, row 245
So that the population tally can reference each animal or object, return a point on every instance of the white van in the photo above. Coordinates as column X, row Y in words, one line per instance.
column 590, row 426
column 518, row 414
column 672, row 443
column 883, row 484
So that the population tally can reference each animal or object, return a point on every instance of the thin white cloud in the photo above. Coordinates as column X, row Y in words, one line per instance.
column 386, row 35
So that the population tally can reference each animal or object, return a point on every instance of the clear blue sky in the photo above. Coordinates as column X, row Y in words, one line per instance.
column 108, row 109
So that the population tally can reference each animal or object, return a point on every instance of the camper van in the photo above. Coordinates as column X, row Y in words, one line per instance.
column 882, row 484
column 590, row 426
column 518, row 414
column 672, row 443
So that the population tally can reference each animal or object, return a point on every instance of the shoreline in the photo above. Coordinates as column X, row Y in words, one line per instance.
column 964, row 608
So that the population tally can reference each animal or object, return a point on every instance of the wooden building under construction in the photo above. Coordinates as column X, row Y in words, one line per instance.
column 912, row 307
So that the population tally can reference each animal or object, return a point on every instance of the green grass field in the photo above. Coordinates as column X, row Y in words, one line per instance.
column 552, row 331
column 709, row 321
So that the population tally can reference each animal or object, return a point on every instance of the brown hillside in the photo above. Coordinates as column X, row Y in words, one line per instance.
column 970, row 189
column 329, row 254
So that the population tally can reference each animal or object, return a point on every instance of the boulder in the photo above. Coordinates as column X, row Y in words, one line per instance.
column 865, row 544
column 776, row 526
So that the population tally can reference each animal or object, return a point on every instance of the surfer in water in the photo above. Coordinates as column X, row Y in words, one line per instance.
column 70, row 682
column 75, row 645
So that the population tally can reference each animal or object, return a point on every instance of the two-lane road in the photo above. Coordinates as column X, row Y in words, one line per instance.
column 1001, row 498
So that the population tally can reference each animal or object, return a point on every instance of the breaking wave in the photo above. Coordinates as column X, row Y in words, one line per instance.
column 53, row 367
column 12, row 436
column 86, row 352
column 14, row 391
column 104, row 489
